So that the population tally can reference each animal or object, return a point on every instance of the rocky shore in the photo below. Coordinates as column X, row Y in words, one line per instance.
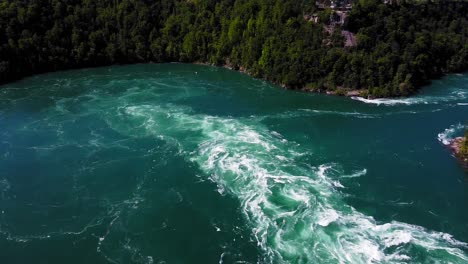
column 458, row 147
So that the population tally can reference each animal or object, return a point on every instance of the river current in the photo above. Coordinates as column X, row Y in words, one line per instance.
column 177, row 163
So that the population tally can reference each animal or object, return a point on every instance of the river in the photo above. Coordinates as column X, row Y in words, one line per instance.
column 178, row 163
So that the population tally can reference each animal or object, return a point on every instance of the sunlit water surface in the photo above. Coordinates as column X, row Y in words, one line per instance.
column 194, row 164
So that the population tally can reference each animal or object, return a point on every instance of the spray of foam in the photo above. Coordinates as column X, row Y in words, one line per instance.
column 448, row 134
column 296, row 212
column 386, row 101
column 456, row 94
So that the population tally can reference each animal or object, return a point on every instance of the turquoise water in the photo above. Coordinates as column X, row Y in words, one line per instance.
column 179, row 163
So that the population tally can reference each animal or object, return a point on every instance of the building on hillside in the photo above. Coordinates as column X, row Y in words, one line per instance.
column 312, row 18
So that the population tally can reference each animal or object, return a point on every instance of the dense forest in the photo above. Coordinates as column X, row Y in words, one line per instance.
column 399, row 46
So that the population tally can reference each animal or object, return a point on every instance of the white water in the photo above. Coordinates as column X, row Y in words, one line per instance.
column 448, row 134
column 296, row 212
column 387, row 101
column 455, row 94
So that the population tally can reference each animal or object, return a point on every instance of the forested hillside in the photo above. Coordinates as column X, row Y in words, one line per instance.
column 399, row 47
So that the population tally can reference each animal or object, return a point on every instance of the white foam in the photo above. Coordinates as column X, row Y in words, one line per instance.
column 306, row 111
column 327, row 217
column 356, row 174
column 388, row 101
column 290, row 206
column 337, row 184
column 396, row 238
column 447, row 135
column 454, row 94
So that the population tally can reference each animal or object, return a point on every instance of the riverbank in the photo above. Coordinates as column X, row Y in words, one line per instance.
column 357, row 94
column 361, row 94
column 340, row 91
column 458, row 146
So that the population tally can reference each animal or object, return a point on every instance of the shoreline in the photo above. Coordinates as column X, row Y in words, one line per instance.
column 455, row 145
column 340, row 91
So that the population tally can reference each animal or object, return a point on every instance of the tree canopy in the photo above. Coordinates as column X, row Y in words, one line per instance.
column 399, row 47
